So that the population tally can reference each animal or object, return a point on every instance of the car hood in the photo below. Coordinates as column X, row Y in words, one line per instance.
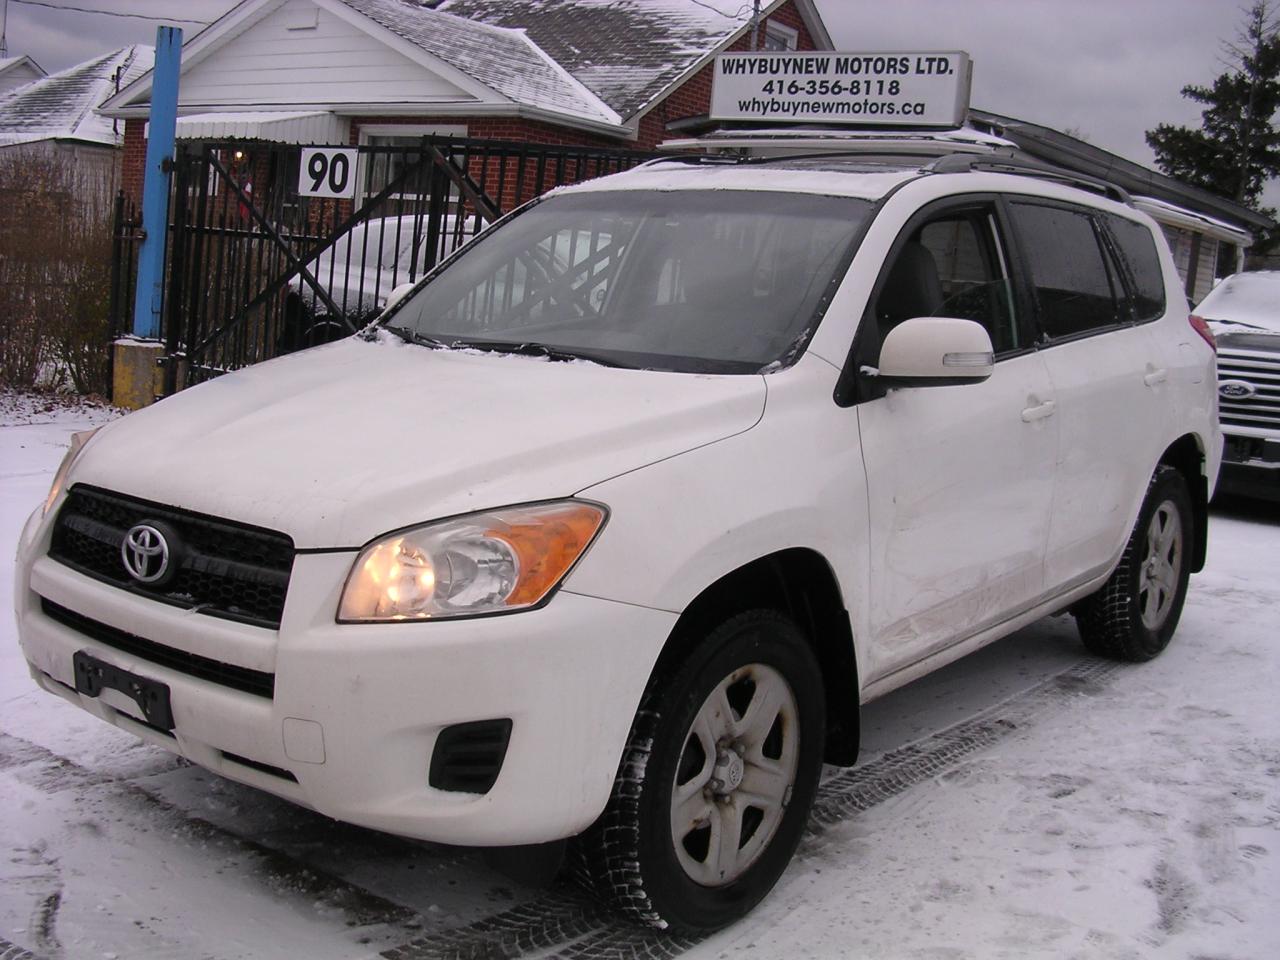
column 1222, row 328
column 342, row 443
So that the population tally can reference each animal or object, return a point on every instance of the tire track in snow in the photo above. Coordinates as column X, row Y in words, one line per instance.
column 281, row 873
column 571, row 926
column 11, row 951
column 44, row 919
column 861, row 788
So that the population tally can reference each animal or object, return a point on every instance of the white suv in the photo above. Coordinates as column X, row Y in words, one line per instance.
column 608, row 528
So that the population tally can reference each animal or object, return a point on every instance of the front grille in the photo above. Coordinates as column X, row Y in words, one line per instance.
column 1259, row 369
column 224, row 569
column 257, row 682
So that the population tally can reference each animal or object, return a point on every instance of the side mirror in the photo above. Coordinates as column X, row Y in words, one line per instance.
column 935, row 351
column 398, row 294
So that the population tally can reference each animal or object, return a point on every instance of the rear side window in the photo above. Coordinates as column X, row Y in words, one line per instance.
column 1075, row 286
column 1136, row 249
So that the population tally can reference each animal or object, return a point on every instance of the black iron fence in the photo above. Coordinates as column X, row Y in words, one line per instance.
column 256, row 270
column 126, row 235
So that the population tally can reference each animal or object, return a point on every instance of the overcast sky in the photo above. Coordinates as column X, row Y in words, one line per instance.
column 1105, row 69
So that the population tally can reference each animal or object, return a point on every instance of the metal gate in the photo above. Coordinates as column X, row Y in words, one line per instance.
column 256, row 271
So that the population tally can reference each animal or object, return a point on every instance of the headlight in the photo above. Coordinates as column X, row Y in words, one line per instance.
column 78, row 441
column 492, row 562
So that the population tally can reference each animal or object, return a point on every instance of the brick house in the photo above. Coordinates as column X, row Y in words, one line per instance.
column 594, row 73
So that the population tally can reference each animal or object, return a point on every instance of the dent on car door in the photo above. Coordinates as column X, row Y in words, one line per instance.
column 959, row 477
column 1109, row 378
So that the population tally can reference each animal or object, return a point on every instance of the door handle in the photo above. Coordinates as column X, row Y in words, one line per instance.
column 1038, row 412
column 1155, row 376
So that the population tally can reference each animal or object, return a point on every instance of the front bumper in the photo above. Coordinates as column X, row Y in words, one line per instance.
column 356, row 709
column 1250, row 467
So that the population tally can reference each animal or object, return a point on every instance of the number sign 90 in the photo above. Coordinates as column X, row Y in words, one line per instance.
column 327, row 172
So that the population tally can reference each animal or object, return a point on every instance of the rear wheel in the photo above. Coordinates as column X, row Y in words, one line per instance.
column 1133, row 616
column 717, row 779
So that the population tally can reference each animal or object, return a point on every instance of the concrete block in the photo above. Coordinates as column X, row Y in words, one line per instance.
column 136, row 378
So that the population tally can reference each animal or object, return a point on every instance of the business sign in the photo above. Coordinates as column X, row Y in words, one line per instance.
column 873, row 89
column 328, row 172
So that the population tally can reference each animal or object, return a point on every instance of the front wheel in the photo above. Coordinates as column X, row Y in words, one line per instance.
column 716, row 781
column 1133, row 615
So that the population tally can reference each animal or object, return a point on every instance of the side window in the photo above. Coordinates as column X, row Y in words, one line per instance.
column 1136, row 249
column 1075, row 285
column 952, row 266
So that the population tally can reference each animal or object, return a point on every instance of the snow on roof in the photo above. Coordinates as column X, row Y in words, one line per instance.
column 61, row 106
column 505, row 59
column 625, row 51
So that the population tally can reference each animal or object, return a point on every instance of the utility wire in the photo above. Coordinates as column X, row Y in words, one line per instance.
column 106, row 13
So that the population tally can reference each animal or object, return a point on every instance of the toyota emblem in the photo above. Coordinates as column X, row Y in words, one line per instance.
column 145, row 552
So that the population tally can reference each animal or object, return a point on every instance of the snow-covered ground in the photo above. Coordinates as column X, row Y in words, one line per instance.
column 1026, row 802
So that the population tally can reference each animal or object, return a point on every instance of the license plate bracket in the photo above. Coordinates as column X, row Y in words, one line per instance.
column 152, row 697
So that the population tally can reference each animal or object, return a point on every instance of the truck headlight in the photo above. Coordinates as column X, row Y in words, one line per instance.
column 78, row 441
column 492, row 562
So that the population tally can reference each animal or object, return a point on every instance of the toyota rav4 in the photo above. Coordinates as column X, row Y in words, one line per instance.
column 606, row 530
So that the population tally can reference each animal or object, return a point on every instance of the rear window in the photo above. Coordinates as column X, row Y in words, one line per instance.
column 1136, row 249
column 1074, row 285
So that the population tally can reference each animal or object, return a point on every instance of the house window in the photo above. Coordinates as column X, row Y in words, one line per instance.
column 384, row 166
column 778, row 36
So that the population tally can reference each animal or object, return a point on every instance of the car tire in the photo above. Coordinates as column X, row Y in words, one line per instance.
column 656, row 851
column 1133, row 616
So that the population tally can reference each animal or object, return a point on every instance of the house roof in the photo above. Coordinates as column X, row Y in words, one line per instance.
column 625, row 51
column 1060, row 148
column 504, row 59
column 61, row 105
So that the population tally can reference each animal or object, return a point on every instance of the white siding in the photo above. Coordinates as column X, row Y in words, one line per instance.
column 1180, row 242
column 270, row 64
column 19, row 75
column 1205, row 268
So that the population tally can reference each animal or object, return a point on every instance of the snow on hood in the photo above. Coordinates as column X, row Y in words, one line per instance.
column 343, row 443
column 1244, row 300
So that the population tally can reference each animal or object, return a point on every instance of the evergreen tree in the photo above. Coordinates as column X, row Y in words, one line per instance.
column 1237, row 149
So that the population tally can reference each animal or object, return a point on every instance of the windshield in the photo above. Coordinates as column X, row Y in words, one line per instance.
column 716, row 281
column 1245, row 298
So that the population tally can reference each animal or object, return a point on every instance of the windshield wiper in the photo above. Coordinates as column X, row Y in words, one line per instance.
column 534, row 349
column 413, row 336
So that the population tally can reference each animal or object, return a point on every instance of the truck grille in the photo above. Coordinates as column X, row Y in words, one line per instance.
column 223, row 569
column 1260, row 370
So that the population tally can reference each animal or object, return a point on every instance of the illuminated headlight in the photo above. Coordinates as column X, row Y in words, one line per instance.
column 78, row 441
column 492, row 562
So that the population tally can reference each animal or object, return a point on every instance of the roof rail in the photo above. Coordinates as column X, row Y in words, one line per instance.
column 966, row 163
column 883, row 155
column 693, row 159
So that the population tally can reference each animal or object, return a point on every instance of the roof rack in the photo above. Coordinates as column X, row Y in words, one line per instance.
column 967, row 163
column 885, row 155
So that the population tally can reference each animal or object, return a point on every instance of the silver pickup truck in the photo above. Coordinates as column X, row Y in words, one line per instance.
column 1244, row 313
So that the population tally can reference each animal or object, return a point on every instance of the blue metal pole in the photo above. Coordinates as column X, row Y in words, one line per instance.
column 155, row 183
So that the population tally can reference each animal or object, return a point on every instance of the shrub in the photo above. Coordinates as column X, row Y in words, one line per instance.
column 55, row 272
